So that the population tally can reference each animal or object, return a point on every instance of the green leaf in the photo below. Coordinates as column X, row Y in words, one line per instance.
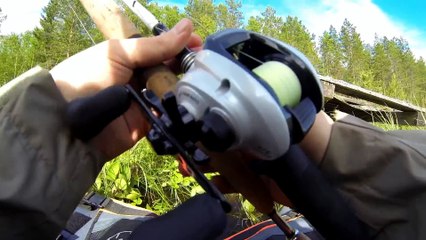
column 137, row 201
column 112, row 170
column 248, row 206
column 197, row 190
column 121, row 183
column 133, row 195
column 126, row 171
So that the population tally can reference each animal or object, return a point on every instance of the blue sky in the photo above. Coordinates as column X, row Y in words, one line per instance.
column 389, row 18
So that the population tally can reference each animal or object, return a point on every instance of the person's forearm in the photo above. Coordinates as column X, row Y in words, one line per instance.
column 316, row 141
column 44, row 171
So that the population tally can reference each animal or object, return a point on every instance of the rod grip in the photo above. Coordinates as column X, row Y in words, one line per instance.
column 88, row 116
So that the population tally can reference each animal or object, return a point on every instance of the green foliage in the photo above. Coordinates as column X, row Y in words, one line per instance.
column 66, row 29
column 388, row 122
column 229, row 15
column 204, row 14
column 355, row 57
column 268, row 23
column 17, row 55
column 297, row 35
column 331, row 56
column 141, row 177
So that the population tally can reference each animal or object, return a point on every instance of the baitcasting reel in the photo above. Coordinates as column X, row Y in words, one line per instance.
column 243, row 91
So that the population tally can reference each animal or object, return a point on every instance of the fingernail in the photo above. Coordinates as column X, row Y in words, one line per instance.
column 180, row 26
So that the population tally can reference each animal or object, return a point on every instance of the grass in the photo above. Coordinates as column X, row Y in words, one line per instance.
column 141, row 177
column 389, row 122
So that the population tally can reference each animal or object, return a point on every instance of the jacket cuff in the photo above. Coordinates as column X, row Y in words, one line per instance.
column 43, row 169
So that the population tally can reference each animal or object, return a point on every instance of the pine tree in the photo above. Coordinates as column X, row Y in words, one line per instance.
column 294, row 33
column 65, row 29
column 380, row 64
column 331, row 54
column 355, row 56
column 268, row 23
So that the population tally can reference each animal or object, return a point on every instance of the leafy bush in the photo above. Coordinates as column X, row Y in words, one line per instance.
column 141, row 177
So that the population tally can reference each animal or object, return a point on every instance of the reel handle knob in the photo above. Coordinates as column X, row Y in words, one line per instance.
column 216, row 134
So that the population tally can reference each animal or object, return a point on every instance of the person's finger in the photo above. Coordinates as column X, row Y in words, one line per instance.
column 143, row 52
column 195, row 42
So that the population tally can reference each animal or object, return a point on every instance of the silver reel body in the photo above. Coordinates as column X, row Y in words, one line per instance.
column 216, row 84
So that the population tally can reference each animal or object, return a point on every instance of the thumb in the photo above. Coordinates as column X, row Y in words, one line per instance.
column 144, row 52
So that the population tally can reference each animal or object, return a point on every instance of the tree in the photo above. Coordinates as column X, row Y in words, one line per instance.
column 229, row 15
column 17, row 55
column 420, row 81
column 65, row 29
column 203, row 13
column 380, row 64
column 168, row 15
column 268, row 23
column 331, row 54
column 406, row 67
column 395, row 68
column 294, row 33
column 355, row 56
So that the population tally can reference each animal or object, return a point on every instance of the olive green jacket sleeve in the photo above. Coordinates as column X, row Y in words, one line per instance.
column 382, row 174
column 44, row 171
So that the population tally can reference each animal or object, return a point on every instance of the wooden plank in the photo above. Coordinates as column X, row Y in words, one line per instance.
column 374, row 113
column 359, row 92
column 328, row 90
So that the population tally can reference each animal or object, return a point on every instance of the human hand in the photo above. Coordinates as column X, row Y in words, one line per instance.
column 112, row 63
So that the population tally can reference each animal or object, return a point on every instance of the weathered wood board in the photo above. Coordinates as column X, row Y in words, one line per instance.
column 370, row 105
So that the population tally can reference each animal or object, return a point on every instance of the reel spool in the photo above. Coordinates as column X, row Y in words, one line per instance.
column 282, row 80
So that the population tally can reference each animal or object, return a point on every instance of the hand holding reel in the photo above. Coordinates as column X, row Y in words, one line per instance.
column 243, row 91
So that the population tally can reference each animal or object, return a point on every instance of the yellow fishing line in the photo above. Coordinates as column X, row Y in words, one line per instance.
column 282, row 80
